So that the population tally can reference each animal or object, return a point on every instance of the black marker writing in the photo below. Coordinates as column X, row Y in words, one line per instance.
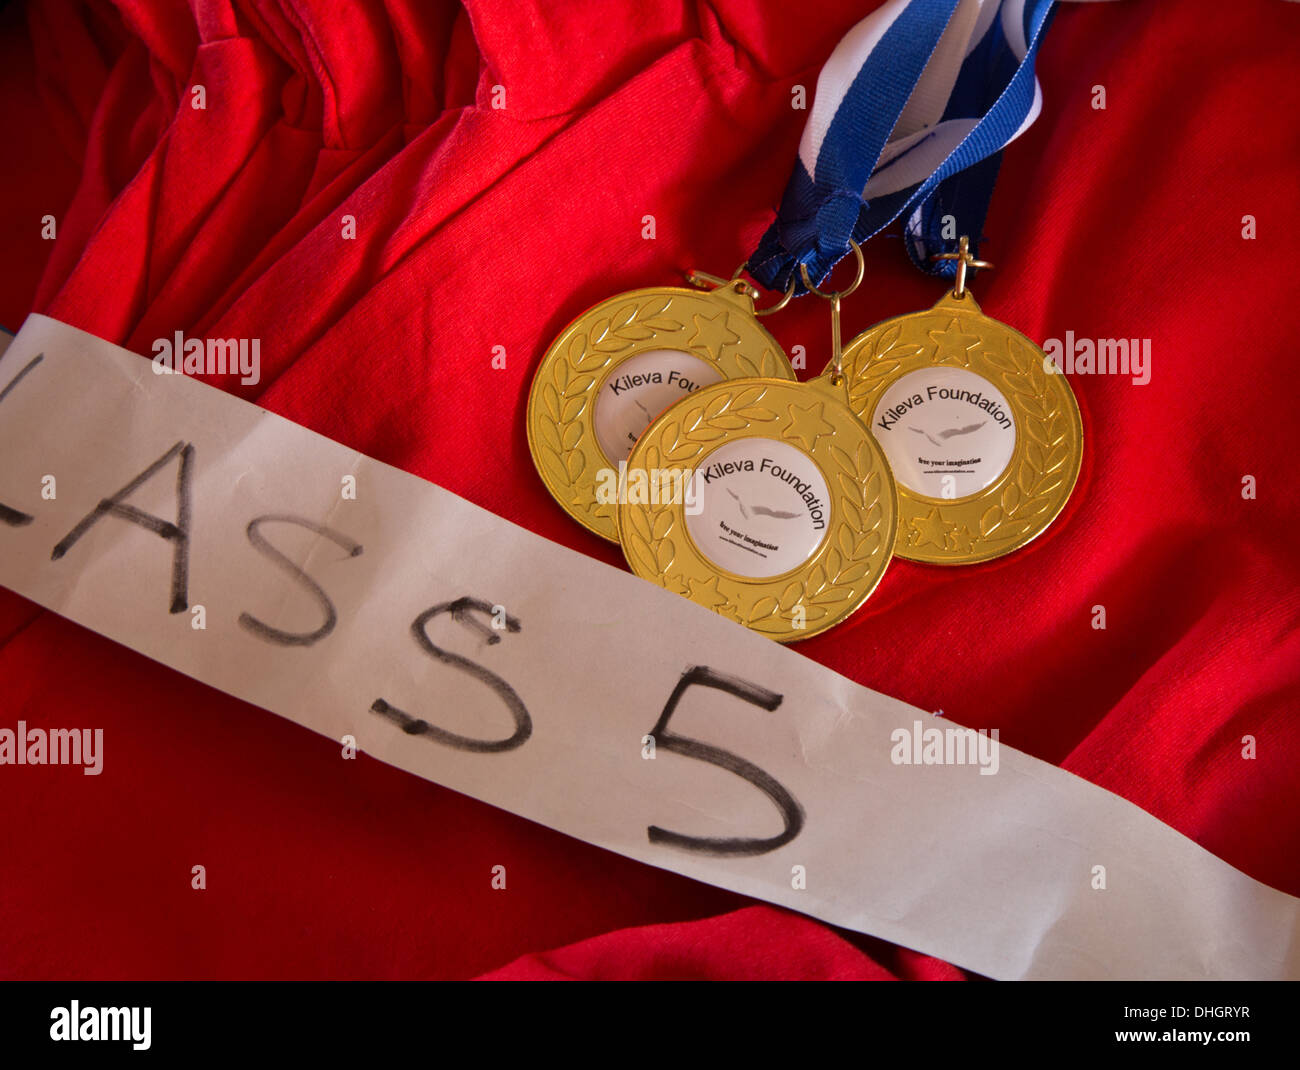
column 14, row 517
column 178, row 534
column 415, row 726
column 791, row 811
column 262, row 546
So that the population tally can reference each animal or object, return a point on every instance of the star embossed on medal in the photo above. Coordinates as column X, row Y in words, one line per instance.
column 952, row 346
column 808, row 425
column 712, row 333
column 963, row 539
column 706, row 592
column 931, row 529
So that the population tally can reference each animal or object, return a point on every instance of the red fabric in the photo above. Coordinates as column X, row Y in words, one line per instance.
column 478, row 227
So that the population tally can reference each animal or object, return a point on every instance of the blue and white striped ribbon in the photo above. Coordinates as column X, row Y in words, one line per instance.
column 910, row 117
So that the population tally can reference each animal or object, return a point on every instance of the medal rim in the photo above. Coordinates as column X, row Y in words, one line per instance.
column 701, row 567
column 562, row 489
column 972, row 508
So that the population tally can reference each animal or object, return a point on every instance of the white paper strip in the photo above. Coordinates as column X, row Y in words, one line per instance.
column 538, row 700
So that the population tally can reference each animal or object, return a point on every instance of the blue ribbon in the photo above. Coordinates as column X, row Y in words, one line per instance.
column 819, row 212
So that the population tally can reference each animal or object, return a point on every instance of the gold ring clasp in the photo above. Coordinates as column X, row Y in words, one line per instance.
column 964, row 261
column 834, row 297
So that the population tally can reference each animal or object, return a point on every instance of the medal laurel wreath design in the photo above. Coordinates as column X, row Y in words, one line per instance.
column 1033, row 489
column 714, row 327
column 852, row 556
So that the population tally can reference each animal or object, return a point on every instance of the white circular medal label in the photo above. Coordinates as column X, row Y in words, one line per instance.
column 947, row 432
column 638, row 390
column 757, row 507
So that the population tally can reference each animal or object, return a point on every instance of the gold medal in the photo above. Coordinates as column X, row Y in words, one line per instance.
column 765, row 500
column 981, row 431
column 619, row 365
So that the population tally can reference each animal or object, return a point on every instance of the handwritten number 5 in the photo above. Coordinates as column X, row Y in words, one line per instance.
column 786, row 803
